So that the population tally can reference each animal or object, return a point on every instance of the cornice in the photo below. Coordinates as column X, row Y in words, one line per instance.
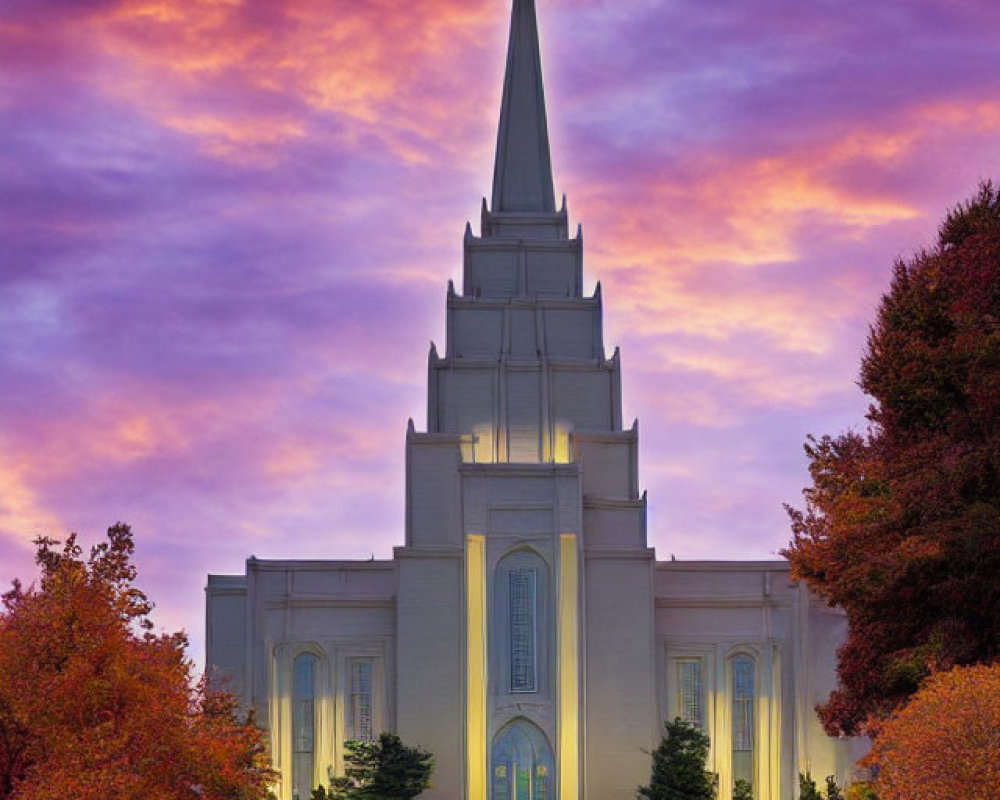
column 723, row 566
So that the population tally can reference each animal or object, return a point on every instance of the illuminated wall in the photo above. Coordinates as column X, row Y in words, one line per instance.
column 569, row 670
column 475, row 673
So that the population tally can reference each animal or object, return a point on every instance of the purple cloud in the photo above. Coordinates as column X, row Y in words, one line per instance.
column 226, row 229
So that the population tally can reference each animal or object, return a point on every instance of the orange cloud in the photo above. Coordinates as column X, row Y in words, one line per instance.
column 691, row 256
column 388, row 72
column 22, row 516
column 331, row 459
column 242, row 141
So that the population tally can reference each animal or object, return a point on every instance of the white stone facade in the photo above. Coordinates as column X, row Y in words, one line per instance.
column 525, row 633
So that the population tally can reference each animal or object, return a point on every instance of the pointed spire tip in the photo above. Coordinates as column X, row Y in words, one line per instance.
column 522, row 176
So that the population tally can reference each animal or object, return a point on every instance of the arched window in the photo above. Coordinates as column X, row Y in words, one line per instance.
column 303, row 725
column 521, row 764
column 743, row 694
column 521, row 618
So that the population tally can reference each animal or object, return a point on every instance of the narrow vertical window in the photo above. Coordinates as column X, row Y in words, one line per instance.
column 743, row 719
column 303, row 725
column 689, row 691
column 361, row 726
column 522, row 630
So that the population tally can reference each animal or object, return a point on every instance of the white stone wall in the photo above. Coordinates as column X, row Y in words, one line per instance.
column 712, row 610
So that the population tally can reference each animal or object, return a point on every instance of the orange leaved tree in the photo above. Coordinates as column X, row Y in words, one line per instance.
column 945, row 743
column 93, row 704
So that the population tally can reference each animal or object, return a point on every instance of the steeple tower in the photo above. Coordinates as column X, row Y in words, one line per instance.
column 522, row 176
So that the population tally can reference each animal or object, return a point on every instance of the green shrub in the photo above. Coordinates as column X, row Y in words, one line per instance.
column 742, row 790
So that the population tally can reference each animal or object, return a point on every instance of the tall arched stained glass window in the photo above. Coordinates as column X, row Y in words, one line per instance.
column 522, row 629
column 303, row 725
column 743, row 692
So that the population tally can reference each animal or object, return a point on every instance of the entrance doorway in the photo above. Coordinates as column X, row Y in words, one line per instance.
column 521, row 764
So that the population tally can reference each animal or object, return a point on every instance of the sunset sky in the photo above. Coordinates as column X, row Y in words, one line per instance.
column 226, row 229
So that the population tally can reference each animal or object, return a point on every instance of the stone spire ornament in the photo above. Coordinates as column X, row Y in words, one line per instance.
column 522, row 177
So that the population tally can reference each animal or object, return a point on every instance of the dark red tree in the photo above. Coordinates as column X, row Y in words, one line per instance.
column 901, row 525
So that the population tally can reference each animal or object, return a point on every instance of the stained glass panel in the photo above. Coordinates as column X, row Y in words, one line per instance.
column 361, row 727
column 743, row 703
column 689, row 691
column 743, row 719
column 522, row 629
column 303, row 724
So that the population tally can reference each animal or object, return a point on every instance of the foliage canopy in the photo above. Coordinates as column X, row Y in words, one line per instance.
column 945, row 743
column 901, row 525
column 94, row 705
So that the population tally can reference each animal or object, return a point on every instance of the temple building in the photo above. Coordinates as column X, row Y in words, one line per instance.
column 525, row 633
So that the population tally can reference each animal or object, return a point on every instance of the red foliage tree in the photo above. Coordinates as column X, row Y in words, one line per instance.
column 945, row 743
column 93, row 704
column 901, row 526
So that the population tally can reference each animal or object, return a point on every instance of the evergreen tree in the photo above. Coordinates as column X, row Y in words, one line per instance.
column 382, row 770
column 679, row 765
column 833, row 791
column 807, row 788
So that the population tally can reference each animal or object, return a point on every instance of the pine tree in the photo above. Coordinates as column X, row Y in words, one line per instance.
column 807, row 788
column 382, row 770
column 679, row 765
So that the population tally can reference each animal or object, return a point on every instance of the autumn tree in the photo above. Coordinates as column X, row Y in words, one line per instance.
column 901, row 526
column 945, row 743
column 678, row 771
column 95, row 705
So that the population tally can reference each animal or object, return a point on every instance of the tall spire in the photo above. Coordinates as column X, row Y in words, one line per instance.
column 522, row 177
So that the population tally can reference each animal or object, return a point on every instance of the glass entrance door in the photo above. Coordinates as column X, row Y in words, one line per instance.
column 521, row 764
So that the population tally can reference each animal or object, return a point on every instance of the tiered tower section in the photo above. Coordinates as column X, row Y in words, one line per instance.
column 525, row 530
column 525, row 361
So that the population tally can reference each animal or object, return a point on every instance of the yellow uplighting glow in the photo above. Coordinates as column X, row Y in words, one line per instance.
column 569, row 691
column 561, row 453
column 475, row 681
